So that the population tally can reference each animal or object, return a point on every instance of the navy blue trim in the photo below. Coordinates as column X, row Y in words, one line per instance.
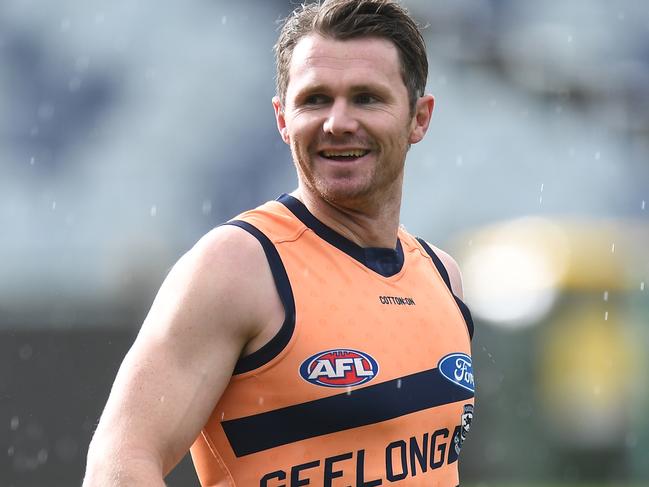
column 466, row 313
column 271, row 349
column 369, row 405
column 437, row 261
column 386, row 262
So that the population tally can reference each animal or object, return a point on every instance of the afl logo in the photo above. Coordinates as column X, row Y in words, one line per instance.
column 457, row 368
column 339, row 368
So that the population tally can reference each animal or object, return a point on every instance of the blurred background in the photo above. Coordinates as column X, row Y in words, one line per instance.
column 130, row 128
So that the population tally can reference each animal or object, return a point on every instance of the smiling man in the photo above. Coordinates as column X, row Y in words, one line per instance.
column 312, row 340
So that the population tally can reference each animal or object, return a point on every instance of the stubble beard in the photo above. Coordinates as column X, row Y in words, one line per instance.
column 354, row 190
column 340, row 190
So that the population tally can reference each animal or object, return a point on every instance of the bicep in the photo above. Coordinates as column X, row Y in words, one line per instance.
column 164, row 392
column 181, row 360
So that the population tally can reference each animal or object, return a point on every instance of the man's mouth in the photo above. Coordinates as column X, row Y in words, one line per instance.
column 343, row 155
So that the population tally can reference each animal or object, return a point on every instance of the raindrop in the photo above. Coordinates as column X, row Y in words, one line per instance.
column 605, row 295
column 25, row 352
column 642, row 286
column 597, row 390
column 612, row 248
column 484, row 349
column 621, row 16
column 399, row 384
column 32, row 160
column 459, row 161
column 53, row 205
column 30, row 446
column 260, row 400
column 14, row 423
column 606, row 316
column 34, row 131
column 10, row 451
column 99, row 18
column 540, row 200
column 65, row 25
column 570, row 38
column 207, row 207
column 598, row 155
column 542, row 185
column 222, row 416
column 224, row 20
column 154, row 210
column 349, row 391
column 162, row 399
column 642, row 206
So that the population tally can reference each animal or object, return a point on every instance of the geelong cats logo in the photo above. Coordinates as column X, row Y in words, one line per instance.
column 339, row 368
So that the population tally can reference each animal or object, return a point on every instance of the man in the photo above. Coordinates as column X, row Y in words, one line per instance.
column 311, row 341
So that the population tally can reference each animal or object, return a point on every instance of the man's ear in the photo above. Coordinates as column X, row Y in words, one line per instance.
column 281, row 121
column 421, row 119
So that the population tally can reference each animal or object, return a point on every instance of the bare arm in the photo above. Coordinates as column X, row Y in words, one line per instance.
column 454, row 274
column 217, row 299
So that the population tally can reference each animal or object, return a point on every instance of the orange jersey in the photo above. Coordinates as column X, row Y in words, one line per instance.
column 368, row 382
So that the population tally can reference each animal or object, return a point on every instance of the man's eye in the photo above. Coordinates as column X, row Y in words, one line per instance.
column 365, row 98
column 315, row 100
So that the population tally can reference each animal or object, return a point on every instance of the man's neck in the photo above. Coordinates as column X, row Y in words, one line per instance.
column 368, row 225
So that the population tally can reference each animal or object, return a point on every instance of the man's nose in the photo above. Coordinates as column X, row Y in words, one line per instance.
column 340, row 120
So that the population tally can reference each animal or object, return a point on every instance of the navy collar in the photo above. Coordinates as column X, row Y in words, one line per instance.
column 386, row 262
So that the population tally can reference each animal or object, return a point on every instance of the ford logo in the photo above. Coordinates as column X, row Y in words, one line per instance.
column 457, row 368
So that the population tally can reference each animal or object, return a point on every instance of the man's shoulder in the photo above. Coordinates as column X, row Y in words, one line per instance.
column 224, row 244
column 453, row 269
column 236, row 237
column 276, row 220
column 223, row 282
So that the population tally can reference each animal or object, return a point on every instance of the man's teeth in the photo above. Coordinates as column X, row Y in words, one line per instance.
column 345, row 153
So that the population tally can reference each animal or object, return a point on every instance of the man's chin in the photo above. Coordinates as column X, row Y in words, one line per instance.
column 346, row 195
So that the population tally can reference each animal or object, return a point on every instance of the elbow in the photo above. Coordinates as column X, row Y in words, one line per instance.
column 111, row 461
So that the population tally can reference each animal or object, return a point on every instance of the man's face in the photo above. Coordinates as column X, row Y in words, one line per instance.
column 347, row 119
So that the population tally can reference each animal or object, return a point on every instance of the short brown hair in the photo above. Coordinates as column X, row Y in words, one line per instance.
column 348, row 19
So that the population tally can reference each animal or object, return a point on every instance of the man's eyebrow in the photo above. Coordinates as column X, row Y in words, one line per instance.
column 360, row 88
column 373, row 88
column 311, row 88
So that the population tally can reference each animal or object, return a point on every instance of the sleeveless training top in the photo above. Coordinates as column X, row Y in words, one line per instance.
column 368, row 382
